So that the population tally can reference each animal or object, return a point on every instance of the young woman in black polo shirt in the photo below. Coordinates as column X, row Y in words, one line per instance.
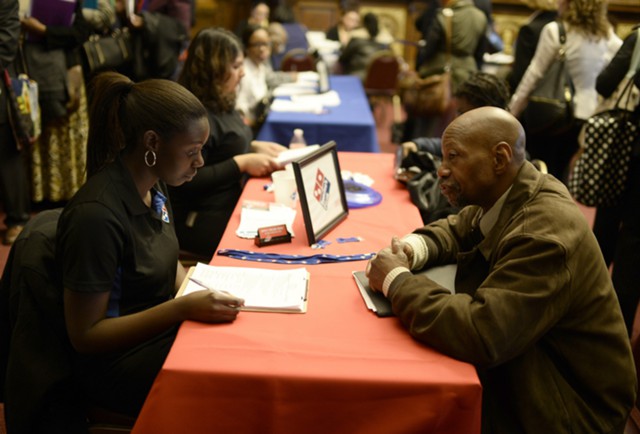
column 116, row 242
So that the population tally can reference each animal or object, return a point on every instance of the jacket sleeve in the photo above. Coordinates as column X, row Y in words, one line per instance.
column 509, row 310
column 613, row 74
column 9, row 31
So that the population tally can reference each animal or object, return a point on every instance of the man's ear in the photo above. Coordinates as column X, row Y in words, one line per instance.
column 150, row 140
column 502, row 156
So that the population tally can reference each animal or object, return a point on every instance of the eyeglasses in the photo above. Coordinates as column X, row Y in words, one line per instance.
column 259, row 44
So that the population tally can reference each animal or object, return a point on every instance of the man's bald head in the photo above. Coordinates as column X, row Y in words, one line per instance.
column 483, row 150
column 488, row 126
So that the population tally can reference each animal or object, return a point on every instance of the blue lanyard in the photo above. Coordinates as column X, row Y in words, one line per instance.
column 247, row 255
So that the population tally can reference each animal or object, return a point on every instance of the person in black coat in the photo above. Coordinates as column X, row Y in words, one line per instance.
column 617, row 228
column 14, row 187
column 527, row 39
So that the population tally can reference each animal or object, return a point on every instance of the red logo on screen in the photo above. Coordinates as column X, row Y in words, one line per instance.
column 321, row 189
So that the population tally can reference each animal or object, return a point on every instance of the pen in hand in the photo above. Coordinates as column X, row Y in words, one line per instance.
column 220, row 291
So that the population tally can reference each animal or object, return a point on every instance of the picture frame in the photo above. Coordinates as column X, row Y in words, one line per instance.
column 321, row 191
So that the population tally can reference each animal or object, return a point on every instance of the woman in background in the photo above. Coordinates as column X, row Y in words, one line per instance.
column 116, row 243
column 259, row 77
column 349, row 20
column 528, row 36
column 590, row 45
column 212, row 72
column 617, row 228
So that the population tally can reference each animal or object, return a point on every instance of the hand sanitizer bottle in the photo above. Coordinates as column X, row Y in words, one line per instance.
column 297, row 141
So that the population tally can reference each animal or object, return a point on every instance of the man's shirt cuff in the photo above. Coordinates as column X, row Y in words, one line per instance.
column 420, row 250
column 389, row 278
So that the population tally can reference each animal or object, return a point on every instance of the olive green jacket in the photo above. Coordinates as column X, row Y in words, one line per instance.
column 539, row 318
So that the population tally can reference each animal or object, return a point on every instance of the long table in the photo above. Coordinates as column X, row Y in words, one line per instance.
column 350, row 124
column 335, row 369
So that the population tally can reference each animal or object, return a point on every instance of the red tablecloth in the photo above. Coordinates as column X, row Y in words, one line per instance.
column 335, row 369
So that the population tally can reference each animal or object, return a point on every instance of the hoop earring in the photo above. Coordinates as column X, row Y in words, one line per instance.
column 146, row 158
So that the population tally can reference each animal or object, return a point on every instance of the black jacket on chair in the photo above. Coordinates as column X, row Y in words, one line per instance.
column 37, row 386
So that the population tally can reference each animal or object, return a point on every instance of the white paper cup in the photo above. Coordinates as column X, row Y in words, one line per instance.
column 284, row 188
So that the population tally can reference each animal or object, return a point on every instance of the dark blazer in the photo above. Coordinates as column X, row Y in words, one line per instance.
column 9, row 33
column 526, row 44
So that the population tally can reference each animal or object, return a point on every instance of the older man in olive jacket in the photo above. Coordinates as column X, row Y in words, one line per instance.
column 534, row 308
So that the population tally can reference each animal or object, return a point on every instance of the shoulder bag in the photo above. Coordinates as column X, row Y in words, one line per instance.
column 102, row 53
column 599, row 176
column 550, row 107
column 24, row 106
column 431, row 95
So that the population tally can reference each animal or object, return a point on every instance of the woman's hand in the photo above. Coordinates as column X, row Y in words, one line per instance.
column 271, row 149
column 256, row 164
column 33, row 25
column 210, row 306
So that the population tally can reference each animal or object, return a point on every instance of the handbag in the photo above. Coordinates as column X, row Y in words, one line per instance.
column 431, row 95
column 599, row 176
column 550, row 107
column 24, row 106
column 107, row 52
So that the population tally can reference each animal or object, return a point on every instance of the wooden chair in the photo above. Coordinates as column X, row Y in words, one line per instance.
column 381, row 82
column 298, row 60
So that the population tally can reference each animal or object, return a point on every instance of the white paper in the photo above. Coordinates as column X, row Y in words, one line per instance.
column 290, row 155
column 288, row 106
column 252, row 219
column 261, row 289
column 327, row 99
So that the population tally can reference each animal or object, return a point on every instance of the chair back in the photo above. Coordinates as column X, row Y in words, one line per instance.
column 38, row 384
column 382, row 74
column 298, row 60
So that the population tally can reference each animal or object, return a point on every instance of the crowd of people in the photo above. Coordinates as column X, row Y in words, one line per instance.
column 152, row 159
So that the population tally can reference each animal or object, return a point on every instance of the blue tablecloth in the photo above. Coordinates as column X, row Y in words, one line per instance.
column 350, row 124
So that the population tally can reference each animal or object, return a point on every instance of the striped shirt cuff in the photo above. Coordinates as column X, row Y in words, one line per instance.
column 420, row 250
column 389, row 278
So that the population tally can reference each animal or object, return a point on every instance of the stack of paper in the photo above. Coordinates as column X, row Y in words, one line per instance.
column 263, row 290
column 252, row 219
column 286, row 157
column 285, row 105
column 327, row 99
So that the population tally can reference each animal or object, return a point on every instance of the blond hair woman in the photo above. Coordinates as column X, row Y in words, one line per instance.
column 590, row 45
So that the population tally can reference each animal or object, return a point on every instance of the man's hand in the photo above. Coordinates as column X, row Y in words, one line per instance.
column 386, row 260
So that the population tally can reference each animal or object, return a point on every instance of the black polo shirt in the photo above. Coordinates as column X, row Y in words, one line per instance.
column 109, row 240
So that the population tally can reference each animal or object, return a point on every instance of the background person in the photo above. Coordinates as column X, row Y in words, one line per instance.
column 362, row 46
column 349, row 20
column 116, row 244
column 590, row 45
column 258, row 15
column 14, row 187
column 539, row 330
column 481, row 89
column 617, row 228
column 259, row 77
column 212, row 72
column 469, row 25
column 528, row 36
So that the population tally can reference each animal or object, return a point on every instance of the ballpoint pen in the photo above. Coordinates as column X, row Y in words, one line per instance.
column 205, row 286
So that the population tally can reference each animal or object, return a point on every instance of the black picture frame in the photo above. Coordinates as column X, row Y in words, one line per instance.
column 321, row 191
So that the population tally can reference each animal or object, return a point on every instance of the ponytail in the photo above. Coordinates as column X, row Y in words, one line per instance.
column 122, row 111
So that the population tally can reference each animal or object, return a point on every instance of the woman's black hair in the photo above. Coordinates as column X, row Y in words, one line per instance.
column 122, row 111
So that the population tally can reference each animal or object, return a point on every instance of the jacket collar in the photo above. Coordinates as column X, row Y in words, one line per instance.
column 526, row 185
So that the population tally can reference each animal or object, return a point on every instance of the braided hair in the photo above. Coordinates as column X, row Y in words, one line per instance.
column 483, row 89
